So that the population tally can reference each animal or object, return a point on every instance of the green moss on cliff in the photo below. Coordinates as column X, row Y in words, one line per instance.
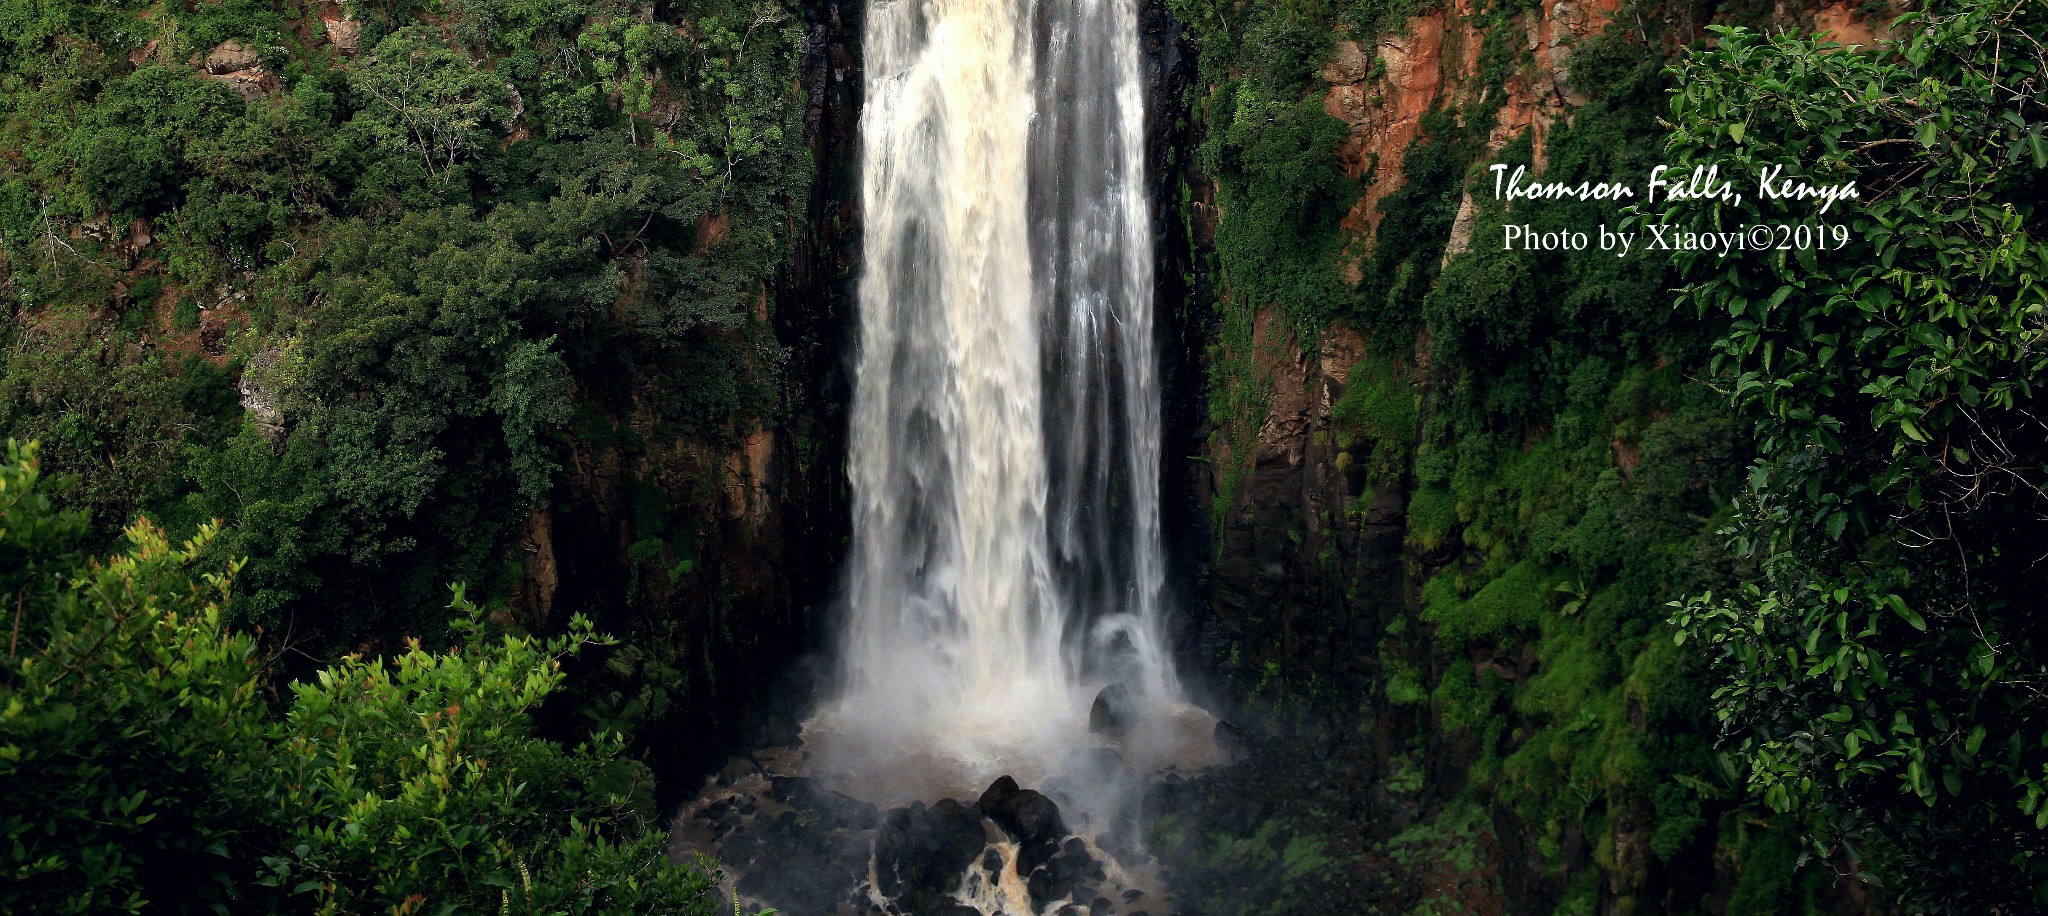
column 1565, row 475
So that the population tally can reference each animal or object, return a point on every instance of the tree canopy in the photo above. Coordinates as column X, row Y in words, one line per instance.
column 1882, row 676
column 146, row 764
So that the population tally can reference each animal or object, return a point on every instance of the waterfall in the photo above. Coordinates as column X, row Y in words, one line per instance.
column 1006, row 559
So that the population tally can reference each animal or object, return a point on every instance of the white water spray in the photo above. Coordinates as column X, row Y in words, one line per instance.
column 1006, row 559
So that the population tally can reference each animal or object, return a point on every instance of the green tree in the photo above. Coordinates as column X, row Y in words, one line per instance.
column 144, row 764
column 1883, row 678
column 427, row 103
column 131, row 149
column 131, row 723
column 416, row 783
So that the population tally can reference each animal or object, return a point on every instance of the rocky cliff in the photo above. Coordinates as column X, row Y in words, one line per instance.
column 1420, row 453
column 765, row 516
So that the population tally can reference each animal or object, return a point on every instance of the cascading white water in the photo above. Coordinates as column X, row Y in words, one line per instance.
column 1006, row 558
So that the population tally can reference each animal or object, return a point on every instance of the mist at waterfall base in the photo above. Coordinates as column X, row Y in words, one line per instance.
column 1006, row 562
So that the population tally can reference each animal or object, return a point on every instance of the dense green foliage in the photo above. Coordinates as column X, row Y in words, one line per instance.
column 378, row 307
column 1858, row 610
column 1279, row 196
column 1564, row 477
column 1881, row 677
column 432, row 264
column 1564, row 484
column 392, row 293
column 383, row 294
column 146, row 766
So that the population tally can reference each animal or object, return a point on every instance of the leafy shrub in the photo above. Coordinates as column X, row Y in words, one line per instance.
column 1879, row 678
column 425, row 105
column 1515, row 600
column 143, row 766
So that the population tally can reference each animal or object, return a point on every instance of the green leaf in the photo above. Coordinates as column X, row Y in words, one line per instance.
column 1912, row 431
column 1907, row 614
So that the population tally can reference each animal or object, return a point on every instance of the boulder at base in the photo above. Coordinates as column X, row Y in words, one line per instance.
column 922, row 852
column 1114, row 711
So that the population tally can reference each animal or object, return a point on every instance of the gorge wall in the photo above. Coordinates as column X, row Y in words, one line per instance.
column 769, row 538
column 1451, row 487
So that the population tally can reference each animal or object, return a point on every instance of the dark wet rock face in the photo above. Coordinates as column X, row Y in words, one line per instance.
column 796, row 847
column 921, row 852
column 1064, row 874
column 1233, row 740
column 826, row 809
column 1025, row 814
column 1055, row 866
column 799, row 847
column 794, row 867
column 1114, row 711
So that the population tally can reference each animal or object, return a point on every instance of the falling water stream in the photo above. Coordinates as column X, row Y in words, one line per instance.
column 1006, row 558
column 1006, row 576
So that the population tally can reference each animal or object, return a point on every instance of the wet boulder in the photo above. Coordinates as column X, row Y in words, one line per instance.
column 1029, row 817
column 736, row 769
column 826, row 809
column 1065, row 875
column 1114, row 712
column 923, row 852
column 927, row 902
column 795, row 867
column 1233, row 740
column 1173, row 796
column 1025, row 814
